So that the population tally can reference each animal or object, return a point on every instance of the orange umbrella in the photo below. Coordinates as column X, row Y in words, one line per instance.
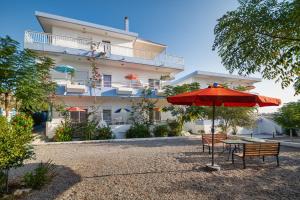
column 131, row 77
column 216, row 95
column 75, row 109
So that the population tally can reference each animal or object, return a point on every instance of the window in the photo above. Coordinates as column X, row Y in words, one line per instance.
column 154, row 83
column 107, row 116
column 106, row 80
column 78, row 116
column 155, row 116
column 107, row 46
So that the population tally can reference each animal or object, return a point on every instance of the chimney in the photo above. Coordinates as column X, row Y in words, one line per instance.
column 126, row 23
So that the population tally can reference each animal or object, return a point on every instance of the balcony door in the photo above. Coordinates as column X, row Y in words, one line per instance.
column 154, row 83
column 106, row 80
column 107, row 116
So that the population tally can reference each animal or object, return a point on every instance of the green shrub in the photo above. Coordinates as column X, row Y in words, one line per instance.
column 15, row 138
column 22, row 123
column 87, row 130
column 138, row 131
column 161, row 131
column 175, row 128
column 104, row 133
column 40, row 176
column 63, row 132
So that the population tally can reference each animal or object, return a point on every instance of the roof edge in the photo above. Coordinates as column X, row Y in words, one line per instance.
column 83, row 23
column 195, row 73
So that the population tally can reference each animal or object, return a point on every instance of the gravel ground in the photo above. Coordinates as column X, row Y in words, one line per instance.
column 161, row 169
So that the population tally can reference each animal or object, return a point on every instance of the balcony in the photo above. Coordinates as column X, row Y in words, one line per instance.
column 82, row 47
column 108, row 89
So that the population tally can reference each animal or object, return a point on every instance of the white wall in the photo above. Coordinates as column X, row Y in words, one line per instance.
column 119, row 46
column 118, row 73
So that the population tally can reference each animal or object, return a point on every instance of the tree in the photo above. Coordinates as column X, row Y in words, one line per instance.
column 142, row 108
column 288, row 115
column 183, row 113
column 15, row 138
column 233, row 117
column 262, row 36
column 25, row 82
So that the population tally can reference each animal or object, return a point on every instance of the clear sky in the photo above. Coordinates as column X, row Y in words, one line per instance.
column 186, row 26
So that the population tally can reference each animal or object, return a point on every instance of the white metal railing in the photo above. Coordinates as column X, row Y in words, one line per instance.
column 108, row 84
column 32, row 37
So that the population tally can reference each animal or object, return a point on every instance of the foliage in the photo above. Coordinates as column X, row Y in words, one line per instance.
column 142, row 108
column 24, row 79
column 89, row 129
column 233, row 117
column 288, row 115
column 138, row 131
column 175, row 128
column 161, row 130
column 262, row 36
column 40, row 176
column 15, row 138
column 183, row 113
column 104, row 133
column 22, row 123
column 63, row 132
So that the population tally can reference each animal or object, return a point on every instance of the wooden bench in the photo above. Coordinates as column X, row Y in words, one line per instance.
column 207, row 140
column 258, row 150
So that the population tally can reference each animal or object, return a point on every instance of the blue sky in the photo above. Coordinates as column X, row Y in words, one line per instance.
column 186, row 26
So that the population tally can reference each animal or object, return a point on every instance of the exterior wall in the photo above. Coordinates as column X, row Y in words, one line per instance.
column 119, row 46
column 205, row 82
column 97, row 105
column 84, row 72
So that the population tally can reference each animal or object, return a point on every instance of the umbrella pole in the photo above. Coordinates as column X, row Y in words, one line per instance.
column 213, row 134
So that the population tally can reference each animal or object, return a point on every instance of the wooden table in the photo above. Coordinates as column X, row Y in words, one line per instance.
column 234, row 143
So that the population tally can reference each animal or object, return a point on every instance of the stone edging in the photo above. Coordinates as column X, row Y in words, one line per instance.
column 116, row 140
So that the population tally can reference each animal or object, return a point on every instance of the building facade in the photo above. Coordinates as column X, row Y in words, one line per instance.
column 112, row 68
column 205, row 78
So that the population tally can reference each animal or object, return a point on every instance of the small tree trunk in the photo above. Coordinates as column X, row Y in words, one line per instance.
column 6, row 103
column 291, row 133
column 6, row 179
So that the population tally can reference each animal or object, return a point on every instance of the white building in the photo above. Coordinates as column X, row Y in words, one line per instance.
column 205, row 78
column 116, row 54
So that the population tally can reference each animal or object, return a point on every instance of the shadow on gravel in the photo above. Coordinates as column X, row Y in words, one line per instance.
column 64, row 179
column 260, row 180
column 267, row 183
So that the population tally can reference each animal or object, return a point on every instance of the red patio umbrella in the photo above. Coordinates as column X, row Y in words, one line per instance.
column 75, row 109
column 131, row 77
column 216, row 95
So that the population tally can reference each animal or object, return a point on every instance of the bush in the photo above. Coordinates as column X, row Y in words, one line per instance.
column 104, row 133
column 88, row 130
column 138, row 131
column 22, row 123
column 15, row 138
column 63, row 132
column 161, row 131
column 41, row 175
column 175, row 128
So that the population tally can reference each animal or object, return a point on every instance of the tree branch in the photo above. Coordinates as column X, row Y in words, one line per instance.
column 279, row 37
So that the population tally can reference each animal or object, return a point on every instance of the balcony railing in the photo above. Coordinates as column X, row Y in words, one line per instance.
column 109, row 84
column 47, row 42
